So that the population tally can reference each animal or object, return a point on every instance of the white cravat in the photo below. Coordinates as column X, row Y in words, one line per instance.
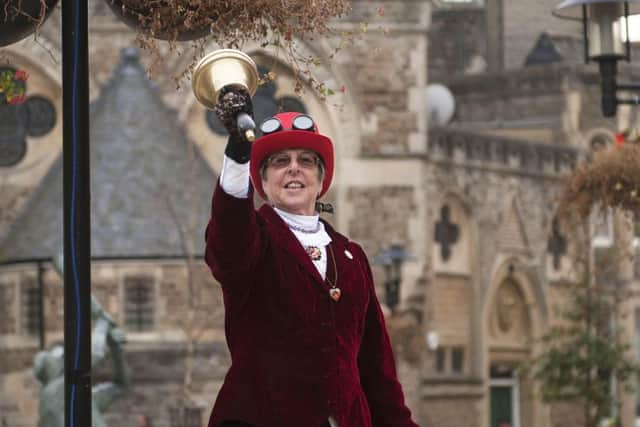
column 310, row 232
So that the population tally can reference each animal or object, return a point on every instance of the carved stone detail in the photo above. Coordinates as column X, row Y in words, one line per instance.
column 520, row 156
column 510, row 323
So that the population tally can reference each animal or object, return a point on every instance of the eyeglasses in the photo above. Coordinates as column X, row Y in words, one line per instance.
column 301, row 122
column 306, row 160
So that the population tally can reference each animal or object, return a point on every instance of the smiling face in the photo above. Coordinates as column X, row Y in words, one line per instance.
column 292, row 181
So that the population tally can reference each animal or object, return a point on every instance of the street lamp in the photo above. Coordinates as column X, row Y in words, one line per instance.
column 76, row 197
column 606, row 40
column 391, row 259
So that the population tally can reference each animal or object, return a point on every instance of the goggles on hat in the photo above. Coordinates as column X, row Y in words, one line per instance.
column 301, row 122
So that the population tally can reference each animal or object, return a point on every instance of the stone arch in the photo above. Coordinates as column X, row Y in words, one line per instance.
column 44, row 82
column 514, row 315
column 514, row 270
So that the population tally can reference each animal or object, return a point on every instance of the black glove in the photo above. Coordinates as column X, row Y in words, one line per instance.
column 234, row 101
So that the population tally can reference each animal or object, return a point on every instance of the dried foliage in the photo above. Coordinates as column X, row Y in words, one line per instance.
column 27, row 11
column 13, row 9
column 232, row 23
column 610, row 179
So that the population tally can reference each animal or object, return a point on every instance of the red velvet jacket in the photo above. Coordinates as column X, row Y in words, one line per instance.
column 296, row 355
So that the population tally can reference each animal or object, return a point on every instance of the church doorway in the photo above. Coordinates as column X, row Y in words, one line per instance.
column 511, row 318
column 504, row 396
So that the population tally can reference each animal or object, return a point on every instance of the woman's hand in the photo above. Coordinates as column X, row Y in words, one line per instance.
column 233, row 102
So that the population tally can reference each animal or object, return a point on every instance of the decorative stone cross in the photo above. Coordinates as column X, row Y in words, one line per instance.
column 557, row 245
column 446, row 233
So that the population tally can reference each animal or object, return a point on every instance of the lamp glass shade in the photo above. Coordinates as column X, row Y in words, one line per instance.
column 572, row 9
column 605, row 26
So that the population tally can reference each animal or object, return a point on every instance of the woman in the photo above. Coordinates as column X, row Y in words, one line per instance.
column 306, row 334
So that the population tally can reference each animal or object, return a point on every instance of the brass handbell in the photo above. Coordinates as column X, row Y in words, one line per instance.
column 224, row 68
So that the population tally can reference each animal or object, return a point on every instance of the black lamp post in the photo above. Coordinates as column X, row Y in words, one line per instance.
column 606, row 40
column 391, row 259
column 77, row 230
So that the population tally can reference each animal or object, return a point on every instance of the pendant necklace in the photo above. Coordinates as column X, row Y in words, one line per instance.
column 334, row 290
column 314, row 252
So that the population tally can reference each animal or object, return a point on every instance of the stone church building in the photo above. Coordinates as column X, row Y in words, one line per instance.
column 471, row 201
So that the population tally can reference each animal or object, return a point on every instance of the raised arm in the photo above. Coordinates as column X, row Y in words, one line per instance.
column 232, row 236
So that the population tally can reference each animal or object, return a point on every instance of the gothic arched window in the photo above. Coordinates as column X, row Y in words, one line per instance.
column 33, row 116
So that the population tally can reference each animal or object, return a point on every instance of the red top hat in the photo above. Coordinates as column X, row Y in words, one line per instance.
column 283, row 135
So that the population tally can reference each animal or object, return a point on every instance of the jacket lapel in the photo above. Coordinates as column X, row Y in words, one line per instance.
column 339, row 245
column 284, row 237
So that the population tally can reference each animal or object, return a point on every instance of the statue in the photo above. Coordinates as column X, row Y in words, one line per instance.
column 48, row 369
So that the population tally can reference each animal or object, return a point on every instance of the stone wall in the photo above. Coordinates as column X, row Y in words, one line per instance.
column 531, row 93
column 384, row 70
column 488, row 190
column 523, row 23
column 158, row 374
column 450, row 411
column 566, row 414
column 457, row 43
column 461, row 39
column 387, row 211
column 157, row 358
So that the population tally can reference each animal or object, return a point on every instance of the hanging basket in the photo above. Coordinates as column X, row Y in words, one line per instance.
column 161, row 22
column 610, row 179
column 230, row 24
column 21, row 18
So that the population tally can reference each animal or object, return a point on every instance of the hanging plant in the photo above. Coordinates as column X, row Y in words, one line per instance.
column 610, row 179
column 232, row 23
column 21, row 18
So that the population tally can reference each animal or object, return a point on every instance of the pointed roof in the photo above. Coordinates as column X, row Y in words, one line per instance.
column 552, row 48
column 149, row 184
column 511, row 234
column 545, row 51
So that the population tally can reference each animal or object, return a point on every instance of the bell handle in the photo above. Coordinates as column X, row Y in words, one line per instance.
column 246, row 125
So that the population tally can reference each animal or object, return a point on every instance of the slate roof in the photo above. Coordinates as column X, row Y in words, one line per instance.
column 146, row 179
column 550, row 48
column 546, row 51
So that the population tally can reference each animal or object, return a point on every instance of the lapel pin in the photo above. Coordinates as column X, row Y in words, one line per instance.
column 348, row 254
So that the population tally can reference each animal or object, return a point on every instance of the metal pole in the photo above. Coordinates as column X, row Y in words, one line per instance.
column 41, row 323
column 608, row 71
column 77, row 229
